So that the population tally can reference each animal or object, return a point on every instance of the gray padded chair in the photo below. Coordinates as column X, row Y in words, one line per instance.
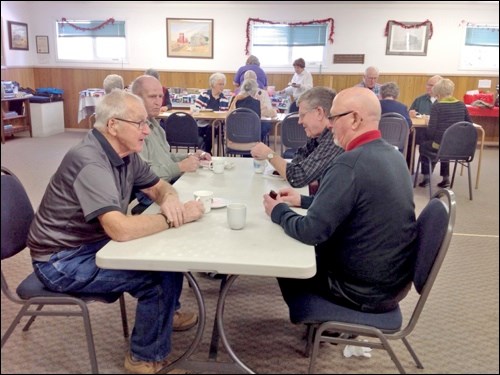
column 459, row 145
column 293, row 135
column 17, row 215
column 395, row 130
column 434, row 231
column 242, row 131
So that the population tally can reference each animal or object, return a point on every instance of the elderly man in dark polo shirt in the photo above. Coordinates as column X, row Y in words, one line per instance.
column 85, row 205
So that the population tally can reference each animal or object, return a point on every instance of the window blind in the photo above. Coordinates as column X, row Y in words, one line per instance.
column 481, row 36
column 116, row 29
column 284, row 35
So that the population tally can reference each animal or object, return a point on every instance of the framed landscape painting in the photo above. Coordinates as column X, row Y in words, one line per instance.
column 190, row 37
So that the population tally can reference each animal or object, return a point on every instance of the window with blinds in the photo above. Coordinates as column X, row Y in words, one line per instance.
column 86, row 40
column 480, row 48
column 280, row 45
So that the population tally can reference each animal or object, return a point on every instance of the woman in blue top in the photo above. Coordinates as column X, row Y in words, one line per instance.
column 215, row 100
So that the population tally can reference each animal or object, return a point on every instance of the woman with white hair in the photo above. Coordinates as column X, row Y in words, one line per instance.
column 213, row 99
column 251, row 96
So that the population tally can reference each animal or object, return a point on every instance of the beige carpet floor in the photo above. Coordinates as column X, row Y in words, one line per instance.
column 457, row 333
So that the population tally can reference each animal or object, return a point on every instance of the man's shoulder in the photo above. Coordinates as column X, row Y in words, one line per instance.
column 422, row 97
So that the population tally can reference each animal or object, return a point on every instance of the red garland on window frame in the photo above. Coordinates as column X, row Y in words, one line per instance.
column 109, row 20
column 250, row 20
column 405, row 26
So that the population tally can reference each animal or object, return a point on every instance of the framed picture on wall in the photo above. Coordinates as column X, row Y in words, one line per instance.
column 18, row 35
column 42, row 44
column 190, row 37
column 407, row 38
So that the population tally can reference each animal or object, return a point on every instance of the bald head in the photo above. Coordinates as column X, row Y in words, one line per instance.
column 361, row 111
column 431, row 82
column 371, row 77
column 151, row 91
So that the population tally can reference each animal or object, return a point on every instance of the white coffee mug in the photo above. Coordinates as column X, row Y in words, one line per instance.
column 205, row 197
column 217, row 165
column 259, row 165
column 194, row 109
column 236, row 215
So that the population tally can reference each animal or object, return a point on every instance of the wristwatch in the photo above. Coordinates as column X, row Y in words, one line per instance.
column 270, row 156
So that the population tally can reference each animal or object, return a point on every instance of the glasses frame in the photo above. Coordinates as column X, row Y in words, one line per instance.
column 302, row 115
column 332, row 118
column 139, row 124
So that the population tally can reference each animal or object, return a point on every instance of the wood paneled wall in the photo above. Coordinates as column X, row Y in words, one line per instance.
column 72, row 81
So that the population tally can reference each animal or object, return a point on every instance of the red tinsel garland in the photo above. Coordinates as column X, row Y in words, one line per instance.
column 326, row 20
column 407, row 26
column 109, row 20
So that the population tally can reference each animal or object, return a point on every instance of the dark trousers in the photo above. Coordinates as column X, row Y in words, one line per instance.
column 205, row 132
column 445, row 166
column 293, row 107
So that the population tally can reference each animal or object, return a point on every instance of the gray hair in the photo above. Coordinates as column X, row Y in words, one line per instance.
column 214, row 78
column 318, row 97
column 249, row 86
column 253, row 60
column 152, row 72
column 114, row 104
column 111, row 82
column 443, row 88
column 250, row 74
column 389, row 89
column 371, row 69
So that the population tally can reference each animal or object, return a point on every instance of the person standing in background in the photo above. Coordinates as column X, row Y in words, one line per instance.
column 370, row 80
column 301, row 81
column 166, row 105
column 252, row 64
column 422, row 104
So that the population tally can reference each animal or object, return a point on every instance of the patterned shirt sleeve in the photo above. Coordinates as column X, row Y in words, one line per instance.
column 311, row 160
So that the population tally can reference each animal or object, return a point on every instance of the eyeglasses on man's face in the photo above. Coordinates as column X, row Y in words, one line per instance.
column 139, row 124
column 333, row 118
column 302, row 115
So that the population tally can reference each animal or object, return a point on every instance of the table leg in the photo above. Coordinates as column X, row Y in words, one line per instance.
column 276, row 126
column 412, row 155
column 214, row 343
column 220, row 323
column 202, row 315
column 480, row 128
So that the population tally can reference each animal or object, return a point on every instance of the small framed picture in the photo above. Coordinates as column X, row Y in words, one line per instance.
column 18, row 35
column 42, row 44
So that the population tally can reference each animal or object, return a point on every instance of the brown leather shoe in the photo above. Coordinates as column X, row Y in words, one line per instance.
column 143, row 367
column 184, row 320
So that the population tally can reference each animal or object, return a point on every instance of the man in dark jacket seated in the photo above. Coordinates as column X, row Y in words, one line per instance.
column 362, row 219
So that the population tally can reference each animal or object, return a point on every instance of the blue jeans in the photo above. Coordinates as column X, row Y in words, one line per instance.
column 75, row 271
column 143, row 198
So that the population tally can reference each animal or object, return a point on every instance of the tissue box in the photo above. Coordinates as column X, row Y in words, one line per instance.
column 485, row 97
